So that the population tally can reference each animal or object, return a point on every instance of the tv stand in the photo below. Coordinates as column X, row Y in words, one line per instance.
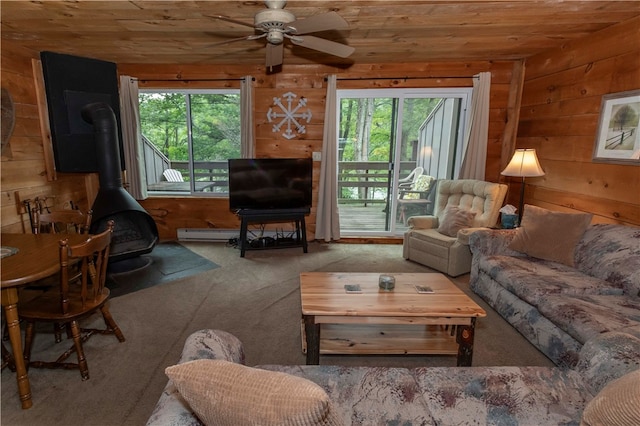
column 248, row 216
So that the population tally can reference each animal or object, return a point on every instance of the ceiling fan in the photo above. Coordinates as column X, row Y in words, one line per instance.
column 277, row 24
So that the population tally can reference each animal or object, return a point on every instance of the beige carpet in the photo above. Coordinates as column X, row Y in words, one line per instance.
column 256, row 298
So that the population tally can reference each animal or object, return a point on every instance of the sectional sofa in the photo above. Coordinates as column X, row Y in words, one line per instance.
column 559, row 308
column 336, row 395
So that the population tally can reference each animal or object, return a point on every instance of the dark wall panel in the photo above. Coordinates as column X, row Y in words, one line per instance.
column 72, row 82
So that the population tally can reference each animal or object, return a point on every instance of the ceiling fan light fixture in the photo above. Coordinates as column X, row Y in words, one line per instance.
column 275, row 36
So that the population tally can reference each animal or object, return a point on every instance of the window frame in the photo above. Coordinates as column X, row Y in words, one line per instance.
column 463, row 94
column 192, row 192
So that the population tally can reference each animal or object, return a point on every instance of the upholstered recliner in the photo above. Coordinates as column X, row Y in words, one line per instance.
column 441, row 241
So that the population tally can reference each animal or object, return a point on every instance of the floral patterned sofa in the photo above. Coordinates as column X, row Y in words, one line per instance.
column 426, row 396
column 561, row 308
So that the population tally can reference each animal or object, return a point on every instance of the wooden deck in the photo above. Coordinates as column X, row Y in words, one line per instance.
column 366, row 219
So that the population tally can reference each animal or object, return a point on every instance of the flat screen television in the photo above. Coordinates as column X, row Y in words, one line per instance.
column 270, row 184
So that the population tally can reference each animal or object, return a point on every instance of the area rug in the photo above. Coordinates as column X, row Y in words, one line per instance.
column 167, row 262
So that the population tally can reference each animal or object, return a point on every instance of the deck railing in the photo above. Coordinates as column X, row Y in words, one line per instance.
column 360, row 182
column 364, row 182
column 214, row 172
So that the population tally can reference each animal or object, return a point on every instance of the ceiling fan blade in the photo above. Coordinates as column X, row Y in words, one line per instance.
column 275, row 54
column 326, row 46
column 322, row 22
column 226, row 18
column 233, row 40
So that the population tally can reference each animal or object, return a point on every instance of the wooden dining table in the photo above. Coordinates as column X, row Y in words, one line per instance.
column 29, row 257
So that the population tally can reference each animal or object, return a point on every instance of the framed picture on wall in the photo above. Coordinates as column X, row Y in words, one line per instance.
column 618, row 137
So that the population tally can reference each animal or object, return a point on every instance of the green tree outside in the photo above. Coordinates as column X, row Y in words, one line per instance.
column 367, row 129
column 215, row 124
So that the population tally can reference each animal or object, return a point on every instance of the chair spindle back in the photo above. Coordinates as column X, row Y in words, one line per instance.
column 93, row 258
column 62, row 221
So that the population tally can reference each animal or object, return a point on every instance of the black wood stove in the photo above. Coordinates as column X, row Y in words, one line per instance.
column 135, row 232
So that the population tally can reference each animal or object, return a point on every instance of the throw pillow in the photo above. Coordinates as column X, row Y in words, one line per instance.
column 616, row 404
column 225, row 393
column 550, row 235
column 455, row 219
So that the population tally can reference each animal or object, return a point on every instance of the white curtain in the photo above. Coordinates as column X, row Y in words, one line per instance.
column 246, row 117
column 475, row 137
column 132, row 138
column 327, row 217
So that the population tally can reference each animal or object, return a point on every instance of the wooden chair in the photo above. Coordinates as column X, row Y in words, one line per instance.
column 62, row 221
column 57, row 221
column 7, row 359
column 67, row 304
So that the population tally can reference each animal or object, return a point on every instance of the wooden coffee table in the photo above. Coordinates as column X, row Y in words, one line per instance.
column 401, row 321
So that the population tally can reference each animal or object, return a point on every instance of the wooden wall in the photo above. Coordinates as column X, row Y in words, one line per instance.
column 308, row 81
column 561, row 100
column 23, row 172
column 24, row 175
column 559, row 117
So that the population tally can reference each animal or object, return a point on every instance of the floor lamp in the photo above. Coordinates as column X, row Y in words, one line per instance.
column 524, row 163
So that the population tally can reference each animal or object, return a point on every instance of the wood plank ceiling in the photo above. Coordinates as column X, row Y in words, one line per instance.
column 184, row 32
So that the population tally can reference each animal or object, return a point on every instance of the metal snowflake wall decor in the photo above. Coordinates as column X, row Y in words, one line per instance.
column 290, row 115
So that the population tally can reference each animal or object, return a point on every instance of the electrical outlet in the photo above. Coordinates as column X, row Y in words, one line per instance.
column 316, row 156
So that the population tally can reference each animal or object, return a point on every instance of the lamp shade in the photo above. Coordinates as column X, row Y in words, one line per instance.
column 524, row 163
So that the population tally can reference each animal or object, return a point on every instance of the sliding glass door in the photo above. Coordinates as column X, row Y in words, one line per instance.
column 384, row 135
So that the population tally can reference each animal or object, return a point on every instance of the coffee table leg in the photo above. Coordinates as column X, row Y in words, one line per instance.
column 464, row 338
column 312, row 331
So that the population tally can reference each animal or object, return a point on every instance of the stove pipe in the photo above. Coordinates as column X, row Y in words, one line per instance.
column 135, row 231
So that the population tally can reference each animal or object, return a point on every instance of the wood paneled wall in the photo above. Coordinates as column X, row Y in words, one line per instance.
column 559, row 117
column 308, row 81
column 23, row 170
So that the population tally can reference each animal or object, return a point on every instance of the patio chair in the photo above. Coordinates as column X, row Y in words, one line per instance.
column 411, row 178
column 407, row 182
column 441, row 241
column 173, row 175
column 417, row 198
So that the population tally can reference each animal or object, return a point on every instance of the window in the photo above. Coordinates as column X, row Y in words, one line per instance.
column 384, row 135
column 188, row 136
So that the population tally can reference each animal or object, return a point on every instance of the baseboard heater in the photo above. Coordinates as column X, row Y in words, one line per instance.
column 222, row 235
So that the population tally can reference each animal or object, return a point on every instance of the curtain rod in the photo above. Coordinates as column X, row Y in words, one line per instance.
column 399, row 78
column 145, row 80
